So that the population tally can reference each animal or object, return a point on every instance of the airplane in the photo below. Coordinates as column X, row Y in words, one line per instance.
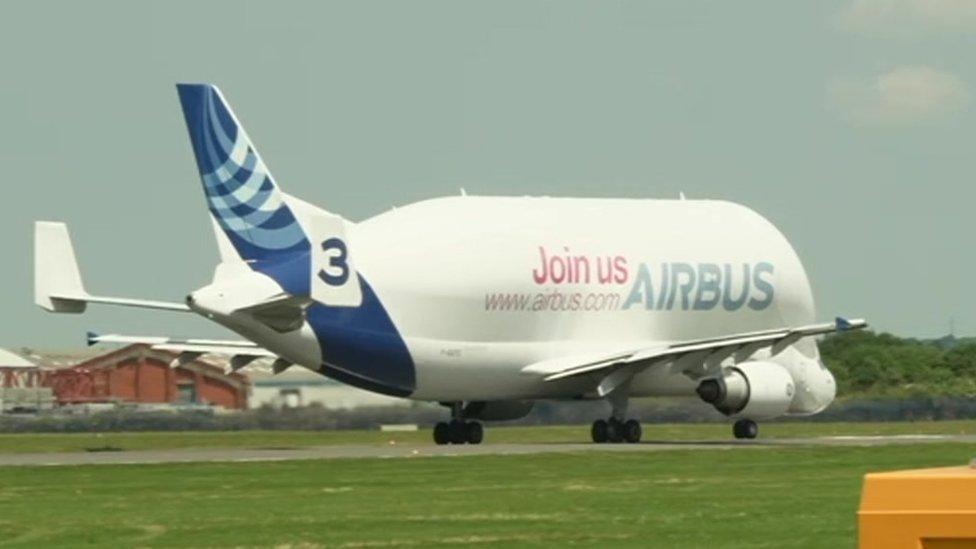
column 488, row 304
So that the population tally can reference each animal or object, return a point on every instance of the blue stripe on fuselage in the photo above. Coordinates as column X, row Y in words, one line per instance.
column 364, row 341
column 360, row 345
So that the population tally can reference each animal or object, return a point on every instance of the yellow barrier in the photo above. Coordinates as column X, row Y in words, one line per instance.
column 921, row 509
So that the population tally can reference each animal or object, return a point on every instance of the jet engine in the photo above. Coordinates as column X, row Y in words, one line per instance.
column 498, row 410
column 753, row 389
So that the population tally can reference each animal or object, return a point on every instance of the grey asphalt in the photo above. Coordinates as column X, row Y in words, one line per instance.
column 352, row 451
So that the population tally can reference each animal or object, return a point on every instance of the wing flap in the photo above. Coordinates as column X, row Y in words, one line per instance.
column 685, row 356
column 582, row 363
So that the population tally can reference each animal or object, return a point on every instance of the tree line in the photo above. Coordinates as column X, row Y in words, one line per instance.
column 872, row 365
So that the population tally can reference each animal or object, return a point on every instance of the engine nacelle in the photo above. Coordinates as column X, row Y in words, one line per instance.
column 753, row 389
column 498, row 410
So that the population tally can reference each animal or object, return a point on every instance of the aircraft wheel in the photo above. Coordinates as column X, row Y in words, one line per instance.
column 632, row 431
column 745, row 428
column 442, row 433
column 615, row 431
column 599, row 431
column 458, row 431
column 474, row 432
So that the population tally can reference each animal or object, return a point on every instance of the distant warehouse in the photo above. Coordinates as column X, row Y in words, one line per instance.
column 137, row 375
column 140, row 375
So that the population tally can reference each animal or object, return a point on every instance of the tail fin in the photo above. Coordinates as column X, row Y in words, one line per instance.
column 240, row 191
column 57, row 280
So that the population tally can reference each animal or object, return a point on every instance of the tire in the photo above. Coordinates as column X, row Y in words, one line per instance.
column 474, row 432
column 632, row 431
column 442, row 433
column 615, row 431
column 458, row 431
column 599, row 431
column 745, row 429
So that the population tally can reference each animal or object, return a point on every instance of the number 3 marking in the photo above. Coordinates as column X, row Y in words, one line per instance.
column 336, row 261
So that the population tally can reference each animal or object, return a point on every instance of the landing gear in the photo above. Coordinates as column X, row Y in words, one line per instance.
column 474, row 432
column 442, row 433
column 745, row 428
column 458, row 431
column 632, row 431
column 614, row 430
column 600, row 431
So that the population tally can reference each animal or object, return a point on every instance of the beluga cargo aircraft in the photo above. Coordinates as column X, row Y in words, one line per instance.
column 489, row 304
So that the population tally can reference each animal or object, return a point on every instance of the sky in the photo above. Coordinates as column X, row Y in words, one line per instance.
column 849, row 124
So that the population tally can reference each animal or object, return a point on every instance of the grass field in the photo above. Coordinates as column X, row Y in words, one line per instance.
column 76, row 442
column 742, row 497
column 795, row 497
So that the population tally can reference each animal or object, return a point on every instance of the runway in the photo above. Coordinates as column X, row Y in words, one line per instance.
column 362, row 451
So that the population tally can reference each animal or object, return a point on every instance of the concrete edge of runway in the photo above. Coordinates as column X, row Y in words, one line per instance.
column 360, row 451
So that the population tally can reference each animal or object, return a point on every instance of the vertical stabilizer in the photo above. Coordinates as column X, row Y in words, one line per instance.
column 241, row 192
column 57, row 280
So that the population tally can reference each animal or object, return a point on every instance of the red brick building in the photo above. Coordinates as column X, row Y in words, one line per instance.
column 139, row 374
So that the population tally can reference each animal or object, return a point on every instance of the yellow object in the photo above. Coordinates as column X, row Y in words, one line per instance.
column 920, row 509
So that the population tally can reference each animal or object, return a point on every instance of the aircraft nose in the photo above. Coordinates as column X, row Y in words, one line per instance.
column 830, row 383
column 824, row 387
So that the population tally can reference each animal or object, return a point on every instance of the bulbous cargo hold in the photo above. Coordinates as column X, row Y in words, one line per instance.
column 545, row 277
column 507, row 269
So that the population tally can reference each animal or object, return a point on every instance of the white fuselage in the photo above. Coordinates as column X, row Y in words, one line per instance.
column 481, row 287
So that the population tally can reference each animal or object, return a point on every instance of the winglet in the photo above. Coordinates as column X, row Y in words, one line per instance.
column 845, row 325
column 91, row 338
column 57, row 281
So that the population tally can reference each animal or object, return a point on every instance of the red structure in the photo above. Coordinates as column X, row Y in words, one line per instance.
column 140, row 374
column 20, row 378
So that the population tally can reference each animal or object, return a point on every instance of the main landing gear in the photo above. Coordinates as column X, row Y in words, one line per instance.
column 614, row 430
column 617, row 429
column 745, row 428
column 458, row 431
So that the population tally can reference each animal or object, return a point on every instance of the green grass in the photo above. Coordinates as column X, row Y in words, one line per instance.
column 76, row 442
column 747, row 497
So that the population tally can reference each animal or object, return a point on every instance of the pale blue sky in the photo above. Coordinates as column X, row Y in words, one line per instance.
column 847, row 123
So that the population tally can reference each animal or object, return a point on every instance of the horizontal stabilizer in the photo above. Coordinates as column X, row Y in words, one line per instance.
column 240, row 352
column 57, row 279
column 94, row 339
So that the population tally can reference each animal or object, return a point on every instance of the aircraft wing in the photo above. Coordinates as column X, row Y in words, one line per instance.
column 695, row 358
column 241, row 352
